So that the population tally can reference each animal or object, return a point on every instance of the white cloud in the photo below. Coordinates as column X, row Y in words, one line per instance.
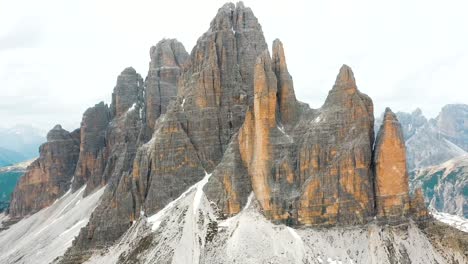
column 405, row 54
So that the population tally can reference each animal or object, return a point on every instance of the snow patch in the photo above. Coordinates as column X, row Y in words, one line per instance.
column 199, row 193
column 183, row 103
column 456, row 221
column 133, row 107
column 157, row 218
column 46, row 235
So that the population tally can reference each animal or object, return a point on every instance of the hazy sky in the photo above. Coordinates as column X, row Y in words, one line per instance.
column 58, row 57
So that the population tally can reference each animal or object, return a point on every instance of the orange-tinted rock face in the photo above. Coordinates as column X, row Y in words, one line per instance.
column 335, row 156
column 48, row 177
column 391, row 176
column 254, row 136
column 217, row 86
column 288, row 107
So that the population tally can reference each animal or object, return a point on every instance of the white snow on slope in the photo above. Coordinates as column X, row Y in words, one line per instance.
column 156, row 219
column 132, row 108
column 453, row 220
column 42, row 237
column 249, row 238
column 178, row 231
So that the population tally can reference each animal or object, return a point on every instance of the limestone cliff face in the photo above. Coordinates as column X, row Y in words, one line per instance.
column 127, row 93
column 168, row 58
column 391, row 176
column 335, row 156
column 49, row 176
column 262, row 148
column 230, row 110
column 254, row 137
column 165, row 166
column 119, row 146
column 217, row 86
column 92, row 158
column 288, row 106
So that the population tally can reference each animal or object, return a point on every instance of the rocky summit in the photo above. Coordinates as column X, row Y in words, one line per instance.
column 212, row 159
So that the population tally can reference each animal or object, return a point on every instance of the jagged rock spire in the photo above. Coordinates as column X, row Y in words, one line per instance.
column 391, row 176
column 217, row 87
column 127, row 92
column 168, row 58
column 91, row 163
column 345, row 78
column 255, row 141
column 288, row 106
column 49, row 176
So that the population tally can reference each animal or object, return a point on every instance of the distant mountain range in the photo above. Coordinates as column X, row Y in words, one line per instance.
column 8, row 178
column 9, row 157
column 19, row 143
column 445, row 186
column 437, row 156
column 434, row 141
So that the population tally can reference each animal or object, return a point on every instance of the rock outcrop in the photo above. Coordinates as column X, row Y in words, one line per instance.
column 391, row 175
column 168, row 58
column 49, row 176
column 335, row 157
column 128, row 93
column 287, row 103
column 92, row 159
column 255, row 142
column 228, row 114
column 116, row 211
column 166, row 166
column 217, row 87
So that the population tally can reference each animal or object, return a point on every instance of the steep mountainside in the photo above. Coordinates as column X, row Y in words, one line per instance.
column 445, row 186
column 49, row 176
column 211, row 159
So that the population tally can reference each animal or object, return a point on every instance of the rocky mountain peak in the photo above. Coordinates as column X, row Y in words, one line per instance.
column 417, row 112
column 127, row 92
column 49, row 176
column 288, row 105
column 222, row 130
column 279, row 58
column 345, row 79
column 58, row 133
column 168, row 53
column 391, row 176
column 168, row 58
column 234, row 17
column 452, row 122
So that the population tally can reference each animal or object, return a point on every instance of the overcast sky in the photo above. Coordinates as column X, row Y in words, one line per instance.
column 58, row 58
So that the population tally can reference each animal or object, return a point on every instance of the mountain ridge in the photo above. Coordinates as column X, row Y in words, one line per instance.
column 234, row 136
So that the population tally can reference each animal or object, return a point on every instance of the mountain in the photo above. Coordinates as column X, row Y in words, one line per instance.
column 9, row 157
column 445, row 186
column 22, row 139
column 434, row 141
column 436, row 153
column 212, row 159
column 9, row 176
